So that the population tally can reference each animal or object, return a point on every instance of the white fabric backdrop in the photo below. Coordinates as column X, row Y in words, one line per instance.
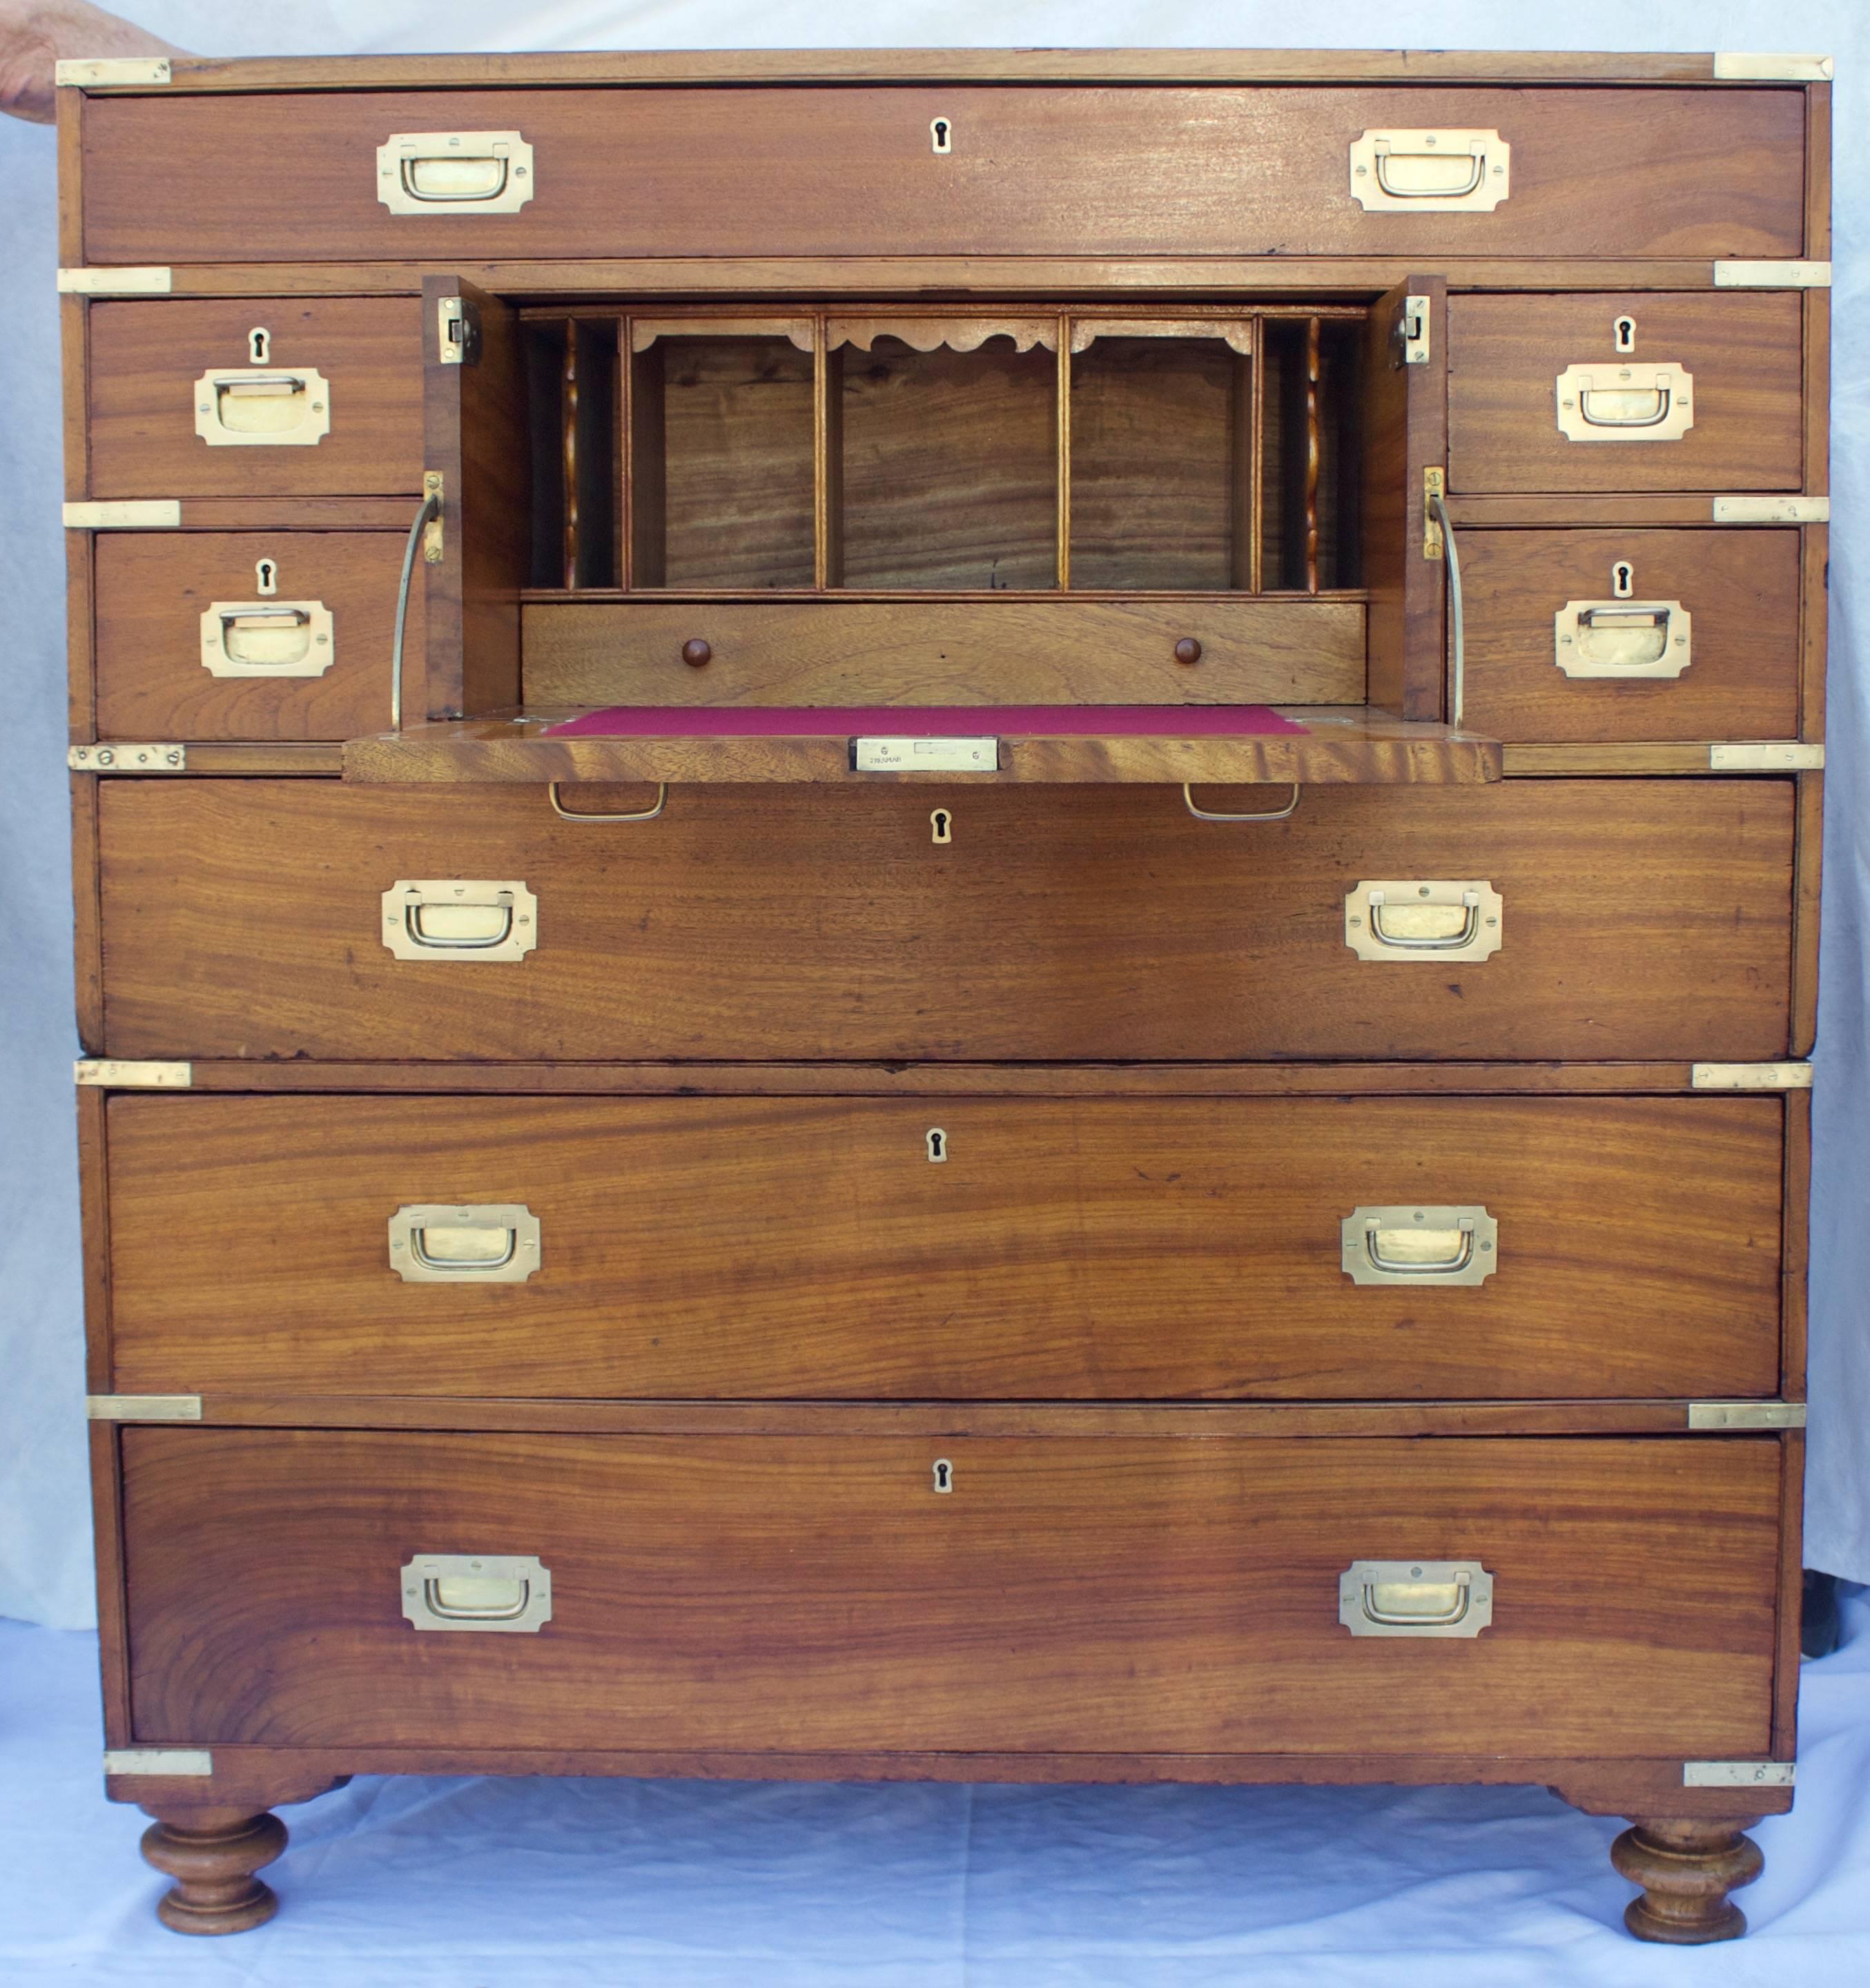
column 45, row 1574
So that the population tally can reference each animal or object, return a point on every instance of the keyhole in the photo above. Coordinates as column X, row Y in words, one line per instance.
column 1625, row 330
column 259, row 345
column 938, row 823
column 941, row 131
column 1622, row 579
column 938, row 1144
column 944, row 1474
column 266, row 576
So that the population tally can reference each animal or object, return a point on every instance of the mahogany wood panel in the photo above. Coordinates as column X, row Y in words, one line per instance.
column 1743, row 350
column 1110, row 1249
column 1404, row 432
column 153, row 587
column 1741, row 591
column 1056, row 651
column 146, row 355
column 1640, row 919
column 1034, row 171
column 1148, row 1596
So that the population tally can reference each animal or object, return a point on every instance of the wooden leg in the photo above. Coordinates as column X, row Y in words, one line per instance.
column 212, row 1853
column 1686, row 1869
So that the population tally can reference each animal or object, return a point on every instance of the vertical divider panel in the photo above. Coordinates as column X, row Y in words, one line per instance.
column 568, row 451
column 646, row 468
column 827, row 459
column 1313, row 367
column 1063, row 424
column 1247, row 441
column 619, row 455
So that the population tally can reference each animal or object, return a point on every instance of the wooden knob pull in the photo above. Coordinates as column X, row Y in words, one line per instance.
column 1188, row 650
column 697, row 653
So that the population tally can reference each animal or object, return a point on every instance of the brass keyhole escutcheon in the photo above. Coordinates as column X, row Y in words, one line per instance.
column 941, row 827
column 936, row 1141
column 266, row 576
column 942, row 134
column 1622, row 579
column 1624, row 333
column 259, row 345
column 943, row 1473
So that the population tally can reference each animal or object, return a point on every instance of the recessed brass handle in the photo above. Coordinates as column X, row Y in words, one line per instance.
column 1434, row 1597
column 1413, row 918
column 261, row 409
column 1652, row 401
column 482, row 1243
column 454, row 172
column 266, row 638
column 1623, row 638
column 1414, row 1245
column 488, row 1591
column 455, row 918
column 1444, row 171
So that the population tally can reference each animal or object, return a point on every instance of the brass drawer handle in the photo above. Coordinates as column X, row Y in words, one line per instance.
column 449, row 917
column 1415, row 918
column 1623, row 638
column 486, row 1591
column 454, row 172
column 262, row 410
column 266, row 638
column 1430, row 172
column 446, row 1243
column 1650, row 402
column 1419, row 1245
column 1428, row 1598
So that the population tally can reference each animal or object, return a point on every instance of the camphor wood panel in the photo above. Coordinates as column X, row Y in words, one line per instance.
column 788, row 1594
column 1059, row 652
column 1116, row 1250
column 146, row 355
column 1744, row 351
column 1641, row 919
column 1741, row 591
column 1034, row 170
column 153, row 588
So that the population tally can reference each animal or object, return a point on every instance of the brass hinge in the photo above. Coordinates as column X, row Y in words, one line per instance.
column 1750, row 1077
column 460, row 333
column 432, row 532
column 1738, row 1773
column 1434, row 484
column 1737, row 275
column 1773, row 69
column 1770, row 756
column 108, row 1074
column 1772, row 510
column 111, row 72
column 1415, row 329
column 133, row 514
column 116, row 758
column 193, row 1761
column 1745, row 1414
column 143, row 1408
column 150, row 282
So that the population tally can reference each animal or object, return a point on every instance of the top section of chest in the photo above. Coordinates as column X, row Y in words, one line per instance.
column 1095, row 157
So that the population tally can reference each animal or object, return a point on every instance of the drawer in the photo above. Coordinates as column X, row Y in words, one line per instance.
column 1741, row 355
column 1704, row 645
column 796, row 1594
column 947, row 1247
column 1026, row 170
column 1639, row 918
column 335, row 409
column 247, row 634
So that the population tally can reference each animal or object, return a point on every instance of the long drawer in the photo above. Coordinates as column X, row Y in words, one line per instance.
column 1593, row 919
column 951, row 1247
column 915, row 170
column 1112, row 1595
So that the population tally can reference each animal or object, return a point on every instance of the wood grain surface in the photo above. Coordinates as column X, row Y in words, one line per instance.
column 1641, row 919
column 1108, row 1249
column 1034, row 171
column 1741, row 588
column 146, row 355
column 1152, row 1596
column 1744, row 351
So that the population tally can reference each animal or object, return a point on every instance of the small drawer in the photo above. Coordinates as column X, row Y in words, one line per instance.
column 1625, row 391
column 258, row 635
column 841, row 1593
column 1580, row 636
column 265, row 396
column 947, row 1248
column 1528, row 919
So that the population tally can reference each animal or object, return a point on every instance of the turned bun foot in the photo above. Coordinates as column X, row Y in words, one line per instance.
column 1686, row 1869
column 212, row 1855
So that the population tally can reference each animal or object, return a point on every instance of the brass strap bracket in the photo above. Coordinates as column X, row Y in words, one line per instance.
column 1738, row 1773
column 1718, row 1415
column 143, row 1408
column 191, row 1762
column 112, row 71
column 113, row 1073
column 1772, row 510
column 123, row 758
column 1734, row 275
column 125, row 514
column 148, row 281
column 1771, row 755
column 1750, row 1077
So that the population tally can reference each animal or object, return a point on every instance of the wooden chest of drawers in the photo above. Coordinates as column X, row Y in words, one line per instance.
column 948, row 917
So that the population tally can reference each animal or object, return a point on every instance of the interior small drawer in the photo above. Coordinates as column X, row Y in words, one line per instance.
column 1632, row 633
column 246, row 634
column 261, row 397
column 1574, row 1597
column 947, row 1248
column 1629, row 391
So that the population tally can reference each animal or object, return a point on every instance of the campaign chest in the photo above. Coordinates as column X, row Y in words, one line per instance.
column 948, row 916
